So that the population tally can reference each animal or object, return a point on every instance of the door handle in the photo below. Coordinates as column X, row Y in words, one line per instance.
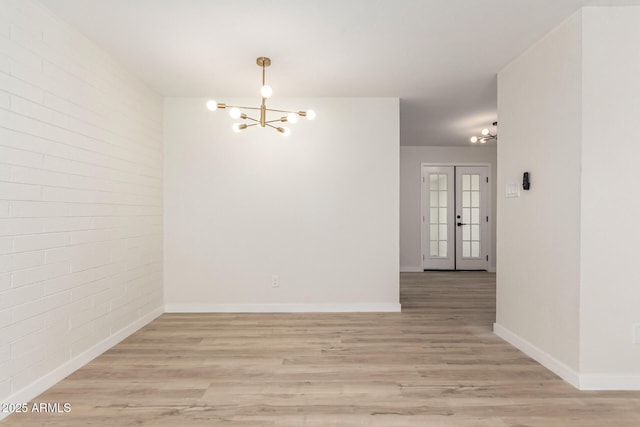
column 460, row 224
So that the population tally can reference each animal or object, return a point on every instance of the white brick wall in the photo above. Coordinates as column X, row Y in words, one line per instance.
column 81, row 196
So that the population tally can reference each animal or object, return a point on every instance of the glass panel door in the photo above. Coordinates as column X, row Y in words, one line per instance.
column 438, row 249
column 471, row 219
column 454, row 219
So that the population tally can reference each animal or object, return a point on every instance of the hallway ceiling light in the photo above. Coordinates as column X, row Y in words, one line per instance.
column 485, row 135
column 266, row 91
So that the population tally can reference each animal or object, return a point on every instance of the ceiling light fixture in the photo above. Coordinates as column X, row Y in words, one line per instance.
column 266, row 91
column 485, row 136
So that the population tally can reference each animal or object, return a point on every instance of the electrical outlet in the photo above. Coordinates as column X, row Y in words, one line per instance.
column 636, row 333
column 275, row 282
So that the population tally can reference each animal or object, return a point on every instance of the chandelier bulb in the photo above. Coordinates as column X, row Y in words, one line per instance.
column 237, row 127
column 212, row 105
column 474, row 139
column 266, row 91
column 485, row 132
column 483, row 141
column 235, row 113
column 311, row 114
column 292, row 117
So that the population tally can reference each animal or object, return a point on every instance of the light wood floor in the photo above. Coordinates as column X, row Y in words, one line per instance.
column 435, row 364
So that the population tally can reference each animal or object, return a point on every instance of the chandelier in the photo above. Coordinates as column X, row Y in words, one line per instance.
column 485, row 136
column 235, row 111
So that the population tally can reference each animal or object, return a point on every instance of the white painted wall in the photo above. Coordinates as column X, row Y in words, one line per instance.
column 567, row 277
column 80, row 201
column 318, row 208
column 538, row 265
column 411, row 159
column 610, row 285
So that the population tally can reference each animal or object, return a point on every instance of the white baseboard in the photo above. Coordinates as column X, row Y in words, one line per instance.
column 411, row 270
column 282, row 308
column 603, row 382
column 42, row 384
column 620, row 382
column 539, row 355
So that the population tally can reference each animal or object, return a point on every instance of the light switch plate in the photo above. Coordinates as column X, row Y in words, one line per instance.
column 513, row 190
column 636, row 333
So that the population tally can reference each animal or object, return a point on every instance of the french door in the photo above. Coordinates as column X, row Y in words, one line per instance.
column 454, row 218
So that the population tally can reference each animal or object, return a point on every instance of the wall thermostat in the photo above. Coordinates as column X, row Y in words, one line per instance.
column 526, row 184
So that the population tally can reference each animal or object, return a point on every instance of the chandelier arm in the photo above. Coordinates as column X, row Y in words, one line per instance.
column 252, row 119
column 282, row 111
column 273, row 121
column 246, row 108
column 271, row 126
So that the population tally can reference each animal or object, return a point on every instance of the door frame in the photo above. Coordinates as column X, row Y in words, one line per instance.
column 423, row 213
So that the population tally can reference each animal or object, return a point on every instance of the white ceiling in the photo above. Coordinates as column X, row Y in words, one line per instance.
column 440, row 57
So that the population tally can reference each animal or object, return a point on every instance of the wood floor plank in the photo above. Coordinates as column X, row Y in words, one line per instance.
column 435, row 364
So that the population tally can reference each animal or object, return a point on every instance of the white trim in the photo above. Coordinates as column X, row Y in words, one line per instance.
column 411, row 270
column 48, row 380
column 611, row 382
column 282, row 308
column 539, row 355
column 627, row 382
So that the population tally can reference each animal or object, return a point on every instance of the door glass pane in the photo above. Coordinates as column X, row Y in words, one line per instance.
column 442, row 232
column 475, row 232
column 466, row 215
column 475, row 199
column 466, row 199
column 466, row 249
column 465, row 233
column 434, row 199
column 433, row 250
column 433, row 217
column 433, row 181
column 475, row 182
column 443, row 198
column 443, row 182
column 443, row 216
column 475, row 216
column 475, row 249
column 466, row 182
column 442, row 249
column 433, row 232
